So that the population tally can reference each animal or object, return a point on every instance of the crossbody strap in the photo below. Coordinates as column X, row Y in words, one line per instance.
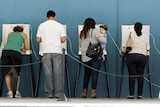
column 91, row 35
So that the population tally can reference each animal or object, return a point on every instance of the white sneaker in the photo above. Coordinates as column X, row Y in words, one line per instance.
column 10, row 94
column 18, row 95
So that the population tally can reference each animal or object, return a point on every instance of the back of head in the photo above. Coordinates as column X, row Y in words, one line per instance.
column 105, row 27
column 51, row 13
column 138, row 28
column 89, row 23
column 18, row 28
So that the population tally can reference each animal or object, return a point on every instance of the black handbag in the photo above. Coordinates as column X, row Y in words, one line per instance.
column 94, row 50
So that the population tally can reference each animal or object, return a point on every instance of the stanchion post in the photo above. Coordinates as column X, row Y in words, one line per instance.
column 63, row 96
column 107, row 77
column 38, row 76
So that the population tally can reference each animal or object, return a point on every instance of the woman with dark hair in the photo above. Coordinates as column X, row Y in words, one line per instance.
column 89, row 33
column 136, row 60
column 17, row 42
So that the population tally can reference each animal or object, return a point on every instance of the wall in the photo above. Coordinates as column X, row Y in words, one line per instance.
column 114, row 13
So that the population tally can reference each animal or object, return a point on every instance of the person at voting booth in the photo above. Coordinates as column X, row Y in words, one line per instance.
column 136, row 60
column 89, row 34
column 17, row 42
column 51, row 34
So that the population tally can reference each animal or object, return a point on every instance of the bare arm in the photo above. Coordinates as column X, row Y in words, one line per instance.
column 38, row 39
column 25, row 46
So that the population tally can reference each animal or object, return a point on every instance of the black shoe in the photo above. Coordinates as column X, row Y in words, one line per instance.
column 50, row 97
column 94, row 96
column 130, row 97
column 139, row 97
column 84, row 96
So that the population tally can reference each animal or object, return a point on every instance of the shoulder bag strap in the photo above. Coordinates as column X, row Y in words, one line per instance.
column 91, row 35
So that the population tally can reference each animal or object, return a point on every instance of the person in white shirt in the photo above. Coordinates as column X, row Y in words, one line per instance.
column 51, row 34
column 136, row 60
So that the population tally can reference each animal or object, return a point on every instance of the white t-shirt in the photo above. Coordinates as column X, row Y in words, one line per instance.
column 51, row 32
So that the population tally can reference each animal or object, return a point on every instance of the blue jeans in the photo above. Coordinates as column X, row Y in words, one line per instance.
column 136, row 64
column 94, row 63
column 52, row 65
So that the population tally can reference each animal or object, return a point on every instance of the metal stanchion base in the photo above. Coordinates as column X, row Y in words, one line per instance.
column 63, row 98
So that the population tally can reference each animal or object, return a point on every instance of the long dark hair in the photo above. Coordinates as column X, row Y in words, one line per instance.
column 88, row 24
column 138, row 28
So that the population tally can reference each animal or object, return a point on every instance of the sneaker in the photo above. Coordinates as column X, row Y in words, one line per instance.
column 18, row 95
column 130, row 97
column 10, row 94
column 139, row 97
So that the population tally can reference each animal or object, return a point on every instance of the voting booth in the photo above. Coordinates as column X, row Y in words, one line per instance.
column 125, row 32
column 64, row 46
column 80, row 27
column 6, row 29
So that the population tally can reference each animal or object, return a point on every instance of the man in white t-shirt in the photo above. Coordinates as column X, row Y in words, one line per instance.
column 51, row 34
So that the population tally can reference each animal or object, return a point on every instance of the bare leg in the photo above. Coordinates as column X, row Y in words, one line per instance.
column 8, row 82
column 18, row 82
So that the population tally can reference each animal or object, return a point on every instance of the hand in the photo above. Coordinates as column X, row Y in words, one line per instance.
column 122, row 54
column 23, row 50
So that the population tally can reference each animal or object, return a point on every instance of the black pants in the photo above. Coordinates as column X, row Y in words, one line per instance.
column 136, row 64
column 9, row 58
column 96, row 64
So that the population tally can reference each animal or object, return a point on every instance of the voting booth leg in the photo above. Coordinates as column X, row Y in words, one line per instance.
column 120, row 78
column 39, row 74
column 107, row 77
column 30, row 70
column 1, row 83
column 63, row 96
column 38, row 77
column 121, row 73
column 77, row 78
column 68, row 78
column 150, row 80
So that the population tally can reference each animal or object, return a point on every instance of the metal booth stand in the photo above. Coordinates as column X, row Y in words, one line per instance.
column 122, row 72
column 126, row 30
column 6, row 29
column 64, row 47
column 39, row 74
column 78, row 73
column 30, row 71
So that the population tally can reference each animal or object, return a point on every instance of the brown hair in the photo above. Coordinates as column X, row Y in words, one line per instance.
column 18, row 28
column 104, row 27
column 88, row 24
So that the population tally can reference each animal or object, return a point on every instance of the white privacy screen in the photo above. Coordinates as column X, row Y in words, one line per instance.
column 126, row 29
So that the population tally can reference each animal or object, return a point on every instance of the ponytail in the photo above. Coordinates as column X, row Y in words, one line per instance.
column 138, row 28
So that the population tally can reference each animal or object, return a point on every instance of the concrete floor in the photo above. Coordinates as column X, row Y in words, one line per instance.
column 78, row 102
